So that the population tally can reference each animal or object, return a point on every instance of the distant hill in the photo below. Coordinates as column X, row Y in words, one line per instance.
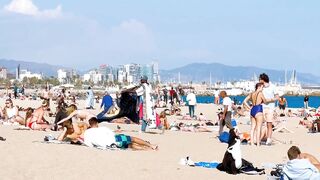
column 200, row 72
column 46, row 69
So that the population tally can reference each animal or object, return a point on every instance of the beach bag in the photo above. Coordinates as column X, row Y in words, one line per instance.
column 224, row 137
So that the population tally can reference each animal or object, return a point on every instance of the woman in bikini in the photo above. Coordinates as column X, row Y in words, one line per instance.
column 36, row 121
column 257, row 98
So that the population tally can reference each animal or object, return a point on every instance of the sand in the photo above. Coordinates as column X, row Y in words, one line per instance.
column 23, row 156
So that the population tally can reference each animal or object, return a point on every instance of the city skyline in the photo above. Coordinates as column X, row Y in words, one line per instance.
column 274, row 35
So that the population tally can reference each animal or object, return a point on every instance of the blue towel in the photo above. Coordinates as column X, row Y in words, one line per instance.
column 211, row 165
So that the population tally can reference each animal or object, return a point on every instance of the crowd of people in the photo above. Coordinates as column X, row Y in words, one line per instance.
column 81, row 126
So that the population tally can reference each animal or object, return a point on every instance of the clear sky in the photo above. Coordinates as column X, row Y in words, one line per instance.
column 277, row 34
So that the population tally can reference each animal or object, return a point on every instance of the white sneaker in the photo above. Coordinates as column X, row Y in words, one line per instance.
column 269, row 141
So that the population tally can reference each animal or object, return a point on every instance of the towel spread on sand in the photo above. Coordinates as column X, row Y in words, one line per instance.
column 212, row 165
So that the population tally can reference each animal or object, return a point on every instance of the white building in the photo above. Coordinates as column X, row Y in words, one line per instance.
column 62, row 75
column 93, row 76
column 27, row 74
column 3, row 73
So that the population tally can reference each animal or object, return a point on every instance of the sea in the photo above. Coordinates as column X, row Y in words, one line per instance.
column 293, row 101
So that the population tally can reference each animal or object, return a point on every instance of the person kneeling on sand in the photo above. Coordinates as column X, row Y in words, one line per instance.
column 104, row 137
column 301, row 165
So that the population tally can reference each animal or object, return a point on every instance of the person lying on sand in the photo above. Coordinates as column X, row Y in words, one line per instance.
column 104, row 137
column 190, row 127
column 122, row 120
column 72, row 131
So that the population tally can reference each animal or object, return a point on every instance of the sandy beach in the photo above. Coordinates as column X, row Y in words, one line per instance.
column 25, row 156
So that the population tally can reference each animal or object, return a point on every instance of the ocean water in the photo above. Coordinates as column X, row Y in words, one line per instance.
column 293, row 101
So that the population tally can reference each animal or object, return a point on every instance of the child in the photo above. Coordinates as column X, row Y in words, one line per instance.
column 164, row 121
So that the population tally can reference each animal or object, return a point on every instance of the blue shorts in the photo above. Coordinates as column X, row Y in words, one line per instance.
column 123, row 141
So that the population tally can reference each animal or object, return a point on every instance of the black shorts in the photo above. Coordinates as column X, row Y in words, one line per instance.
column 282, row 107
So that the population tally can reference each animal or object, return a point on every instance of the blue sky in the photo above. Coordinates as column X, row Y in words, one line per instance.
column 276, row 34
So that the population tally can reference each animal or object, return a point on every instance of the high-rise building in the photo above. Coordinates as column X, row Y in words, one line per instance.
column 18, row 72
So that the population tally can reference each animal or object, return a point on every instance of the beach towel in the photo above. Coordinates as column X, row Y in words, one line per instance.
column 22, row 128
column 49, row 139
column 211, row 165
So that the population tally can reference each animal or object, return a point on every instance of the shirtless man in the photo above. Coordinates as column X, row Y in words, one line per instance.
column 282, row 104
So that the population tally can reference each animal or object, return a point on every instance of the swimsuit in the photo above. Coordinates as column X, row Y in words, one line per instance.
column 256, row 108
column 30, row 124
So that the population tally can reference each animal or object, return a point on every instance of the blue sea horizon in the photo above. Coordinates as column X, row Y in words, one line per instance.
column 293, row 101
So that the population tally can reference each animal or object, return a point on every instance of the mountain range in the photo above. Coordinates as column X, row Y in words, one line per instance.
column 196, row 72
column 200, row 72
column 44, row 68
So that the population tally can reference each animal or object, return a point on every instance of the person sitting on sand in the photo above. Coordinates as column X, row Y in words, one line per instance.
column 164, row 121
column 301, row 165
column 11, row 113
column 202, row 117
column 73, row 132
column 104, row 137
column 81, row 115
column 37, row 121
column 239, row 112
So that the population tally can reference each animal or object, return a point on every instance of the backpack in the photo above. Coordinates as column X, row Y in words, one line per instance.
column 224, row 137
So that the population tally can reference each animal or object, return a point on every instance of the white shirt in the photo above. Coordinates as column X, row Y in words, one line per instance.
column 11, row 111
column 191, row 98
column 227, row 102
column 269, row 93
column 145, row 90
column 100, row 137
column 216, row 93
column 300, row 169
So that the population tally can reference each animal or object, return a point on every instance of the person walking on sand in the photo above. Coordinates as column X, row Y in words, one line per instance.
column 146, row 104
column 90, row 99
column 269, row 92
column 192, row 101
column 106, row 103
column 257, row 98
column 225, row 118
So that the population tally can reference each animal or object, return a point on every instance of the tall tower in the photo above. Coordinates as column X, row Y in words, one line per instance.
column 18, row 72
